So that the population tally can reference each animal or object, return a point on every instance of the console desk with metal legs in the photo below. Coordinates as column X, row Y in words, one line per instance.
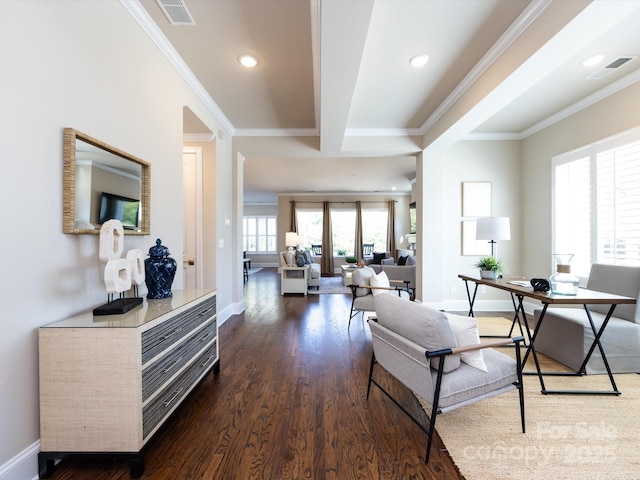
column 584, row 297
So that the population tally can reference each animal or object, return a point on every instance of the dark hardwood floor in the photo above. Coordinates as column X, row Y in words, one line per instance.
column 289, row 403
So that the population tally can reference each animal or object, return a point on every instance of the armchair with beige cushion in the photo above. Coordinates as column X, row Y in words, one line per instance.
column 365, row 286
column 438, row 356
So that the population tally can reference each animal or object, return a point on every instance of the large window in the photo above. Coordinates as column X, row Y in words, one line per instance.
column 259, row 234
column 597, row 203
column 374, row 228
column 310, row 225
column 343, row 227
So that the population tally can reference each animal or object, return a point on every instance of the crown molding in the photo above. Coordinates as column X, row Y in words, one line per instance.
column 533, row 10
column 380, row 193
column 276, row 132
column 383, row 132
column 595, row 97
column 137, row 11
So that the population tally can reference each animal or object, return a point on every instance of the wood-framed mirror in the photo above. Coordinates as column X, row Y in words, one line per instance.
column 103, row 182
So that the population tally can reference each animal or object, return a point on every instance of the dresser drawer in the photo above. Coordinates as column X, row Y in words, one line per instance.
column 157, row 339
column 172, row 395
column 154, row 376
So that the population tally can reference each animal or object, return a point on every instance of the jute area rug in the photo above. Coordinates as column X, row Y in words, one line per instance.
column 568, row 436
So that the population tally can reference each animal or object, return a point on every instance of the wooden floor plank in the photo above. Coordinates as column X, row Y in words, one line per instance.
column 289, row 403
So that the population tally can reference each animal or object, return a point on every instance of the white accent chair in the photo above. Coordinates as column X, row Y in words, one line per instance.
column 416, row 345
column 363, row 293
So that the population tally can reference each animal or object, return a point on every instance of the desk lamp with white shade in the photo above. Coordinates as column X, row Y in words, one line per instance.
column 493, row 229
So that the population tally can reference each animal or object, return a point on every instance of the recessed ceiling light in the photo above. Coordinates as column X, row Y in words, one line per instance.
column 419, row 60
column 247, row 60
column 592, row 61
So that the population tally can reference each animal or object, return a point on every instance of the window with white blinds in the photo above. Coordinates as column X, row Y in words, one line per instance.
column 259, row 234
column 596, row 203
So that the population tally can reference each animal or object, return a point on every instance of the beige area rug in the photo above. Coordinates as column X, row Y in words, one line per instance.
column 568, row 436
column 330, row 285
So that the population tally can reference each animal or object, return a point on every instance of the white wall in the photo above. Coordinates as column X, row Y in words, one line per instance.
column 86, row 65
column 615, row 114
column 440, row 244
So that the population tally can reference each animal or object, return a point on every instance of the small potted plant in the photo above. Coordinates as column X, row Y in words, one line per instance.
column 341, row 252
column 351, row 260
column 490, row 267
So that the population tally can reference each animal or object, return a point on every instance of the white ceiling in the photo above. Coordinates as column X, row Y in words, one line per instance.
column 335, row 100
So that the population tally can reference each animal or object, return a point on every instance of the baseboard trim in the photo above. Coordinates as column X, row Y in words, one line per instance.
column 22, row 466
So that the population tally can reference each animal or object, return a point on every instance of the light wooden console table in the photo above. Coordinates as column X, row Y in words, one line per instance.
column 108, row 383
column 584, row 297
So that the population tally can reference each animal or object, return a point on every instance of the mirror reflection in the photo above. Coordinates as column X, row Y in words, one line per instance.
column 101, row 183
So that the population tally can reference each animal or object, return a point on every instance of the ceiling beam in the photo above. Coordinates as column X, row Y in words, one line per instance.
column 555, row 36
column 344, row 27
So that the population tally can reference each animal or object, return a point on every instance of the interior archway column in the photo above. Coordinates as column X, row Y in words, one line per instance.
column 430, row 246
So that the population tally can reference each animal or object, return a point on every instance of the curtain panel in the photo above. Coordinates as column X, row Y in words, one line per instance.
column 326, row 261
column 391, row 228
column 357, row 246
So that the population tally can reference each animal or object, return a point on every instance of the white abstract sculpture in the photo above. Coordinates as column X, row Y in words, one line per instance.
column 119, row 273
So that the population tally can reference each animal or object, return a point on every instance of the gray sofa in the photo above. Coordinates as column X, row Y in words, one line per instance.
column 566, row 336
column 395, row 272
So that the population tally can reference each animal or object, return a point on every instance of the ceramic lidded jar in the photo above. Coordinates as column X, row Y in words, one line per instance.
column 160, row 269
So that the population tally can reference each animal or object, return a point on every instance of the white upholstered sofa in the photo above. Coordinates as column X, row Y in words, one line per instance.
column 566, row 336
column 314, row 268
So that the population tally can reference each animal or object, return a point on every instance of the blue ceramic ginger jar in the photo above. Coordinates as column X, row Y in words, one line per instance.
column 160, row 269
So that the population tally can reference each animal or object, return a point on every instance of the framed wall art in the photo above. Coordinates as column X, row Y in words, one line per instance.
column 476, row 199
column 471, row 246
column 476, row 203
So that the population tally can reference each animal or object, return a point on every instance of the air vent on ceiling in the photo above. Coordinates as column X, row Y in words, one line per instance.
column 177, row 12
column 612, row 67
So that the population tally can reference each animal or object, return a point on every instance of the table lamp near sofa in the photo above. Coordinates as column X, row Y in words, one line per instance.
column 292, row 240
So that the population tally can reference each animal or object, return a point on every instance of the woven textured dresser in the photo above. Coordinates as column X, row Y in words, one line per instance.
column 108, row 383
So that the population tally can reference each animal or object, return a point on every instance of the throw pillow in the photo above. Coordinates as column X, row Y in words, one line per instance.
column 411, row 260
column 403, row 260
column 378, row 257
column 303, row 258
column 420, row 324
column 379, row 280
column 307, row 256
column 465, row 330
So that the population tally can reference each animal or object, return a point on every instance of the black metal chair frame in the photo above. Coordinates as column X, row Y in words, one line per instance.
column 436, row 396
column 316, row 250
column 367, row 249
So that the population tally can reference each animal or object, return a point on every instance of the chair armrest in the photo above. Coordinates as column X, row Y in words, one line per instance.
column 371, row 287
column 477, row 346
column 481, row 346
